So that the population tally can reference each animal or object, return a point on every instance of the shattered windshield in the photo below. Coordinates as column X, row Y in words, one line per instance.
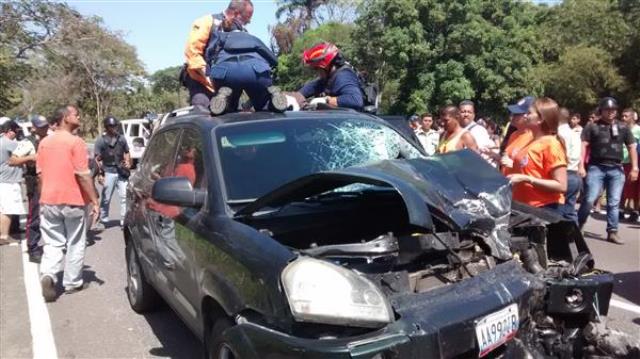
column 257, row 157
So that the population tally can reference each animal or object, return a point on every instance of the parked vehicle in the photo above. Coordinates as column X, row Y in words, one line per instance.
column 137, row 133
column 327, row 234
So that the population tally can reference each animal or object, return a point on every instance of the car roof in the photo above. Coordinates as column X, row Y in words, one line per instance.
column 191, row 115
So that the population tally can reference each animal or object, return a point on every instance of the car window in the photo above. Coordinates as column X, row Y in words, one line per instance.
column 257, row 157
column 189, row 161
column 160, row 156
column 134, row 130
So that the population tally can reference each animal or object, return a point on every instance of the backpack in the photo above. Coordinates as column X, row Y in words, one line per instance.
column 370, row 90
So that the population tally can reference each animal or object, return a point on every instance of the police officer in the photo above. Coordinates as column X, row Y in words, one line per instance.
column 241, row 62
column 195, row 74
column 113, row 162
column 25, row 155
column 337, row 81
column 605, row 139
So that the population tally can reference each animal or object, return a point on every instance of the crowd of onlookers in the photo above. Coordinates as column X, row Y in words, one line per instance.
column 61, row 195
column 551, row 156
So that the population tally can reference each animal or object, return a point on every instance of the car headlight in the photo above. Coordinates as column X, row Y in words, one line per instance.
column 322, row 292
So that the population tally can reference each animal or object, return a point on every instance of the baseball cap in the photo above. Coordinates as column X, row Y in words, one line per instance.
column 4, row 120
column 39, row 121
column 522, row 106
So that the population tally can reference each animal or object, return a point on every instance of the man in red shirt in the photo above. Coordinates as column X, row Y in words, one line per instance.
column 66, row 190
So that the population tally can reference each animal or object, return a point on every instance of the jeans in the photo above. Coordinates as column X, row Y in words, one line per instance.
column 33, row 223
column 612, row 177
column 63, row 226
column 574, row 186
column 111, row 181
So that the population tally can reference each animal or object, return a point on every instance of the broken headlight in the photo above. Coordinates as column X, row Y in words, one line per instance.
column 322, row 292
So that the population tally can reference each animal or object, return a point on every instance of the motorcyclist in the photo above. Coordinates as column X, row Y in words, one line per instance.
column 337, row 84
column 240, row 62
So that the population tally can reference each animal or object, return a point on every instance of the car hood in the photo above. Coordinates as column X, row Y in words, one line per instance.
column 460, row 189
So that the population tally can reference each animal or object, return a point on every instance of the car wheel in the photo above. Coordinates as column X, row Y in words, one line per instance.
column 217, row 346
column 142, row 296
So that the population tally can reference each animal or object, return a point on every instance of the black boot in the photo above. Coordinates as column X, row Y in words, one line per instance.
column 220, row 101
column 278, row 99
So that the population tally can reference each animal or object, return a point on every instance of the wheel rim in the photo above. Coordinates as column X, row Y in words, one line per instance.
column 133, row 279
column 225, row 352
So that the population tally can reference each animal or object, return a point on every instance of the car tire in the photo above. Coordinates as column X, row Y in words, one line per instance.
column 217, row 346
column 142, row 296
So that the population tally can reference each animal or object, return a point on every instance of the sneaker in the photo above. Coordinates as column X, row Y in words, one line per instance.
column 35, row 257
column 614, row 238
column 634, row 217
column 121, row 223
column 278, row 99
column 220, row 101
column 602, row 212
column 48, row 289
column 100, row 226
column 76, row 289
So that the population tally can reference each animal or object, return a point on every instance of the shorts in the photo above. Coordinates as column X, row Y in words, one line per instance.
column 631, row 189
column 11, row 202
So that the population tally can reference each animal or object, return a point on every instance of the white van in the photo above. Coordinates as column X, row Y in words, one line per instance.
column 137, row 133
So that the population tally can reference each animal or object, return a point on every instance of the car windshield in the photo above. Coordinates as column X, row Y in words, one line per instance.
column 257, row 157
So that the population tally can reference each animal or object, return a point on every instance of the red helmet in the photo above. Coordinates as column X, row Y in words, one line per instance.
column 321, row 55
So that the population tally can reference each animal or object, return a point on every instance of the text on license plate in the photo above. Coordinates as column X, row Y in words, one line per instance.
column 497, row 328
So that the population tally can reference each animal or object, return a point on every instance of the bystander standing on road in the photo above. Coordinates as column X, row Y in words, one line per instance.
column 606, row 138
column 455, row 137
column 25, row 155
column 113, row 160
column 631, row 188
column 427, row 135
column 575, row 120
column 11, row 202
column 66, row 188
column 539, row 175
column 479, row 133
column 518, row 135
column 573, row 147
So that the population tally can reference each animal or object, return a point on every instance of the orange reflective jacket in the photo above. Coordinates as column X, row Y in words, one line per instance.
column 196, row 45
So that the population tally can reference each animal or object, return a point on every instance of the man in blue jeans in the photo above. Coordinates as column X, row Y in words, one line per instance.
column 113, row 160
column 605, row 139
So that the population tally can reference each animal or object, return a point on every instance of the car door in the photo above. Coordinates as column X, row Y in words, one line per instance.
column 157, row 164
column 175, row 229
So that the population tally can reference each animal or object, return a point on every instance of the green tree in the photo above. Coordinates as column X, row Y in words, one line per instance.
column 427, row 53
column 166, row 80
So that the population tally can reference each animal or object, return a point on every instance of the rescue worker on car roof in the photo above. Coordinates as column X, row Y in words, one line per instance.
column 195, row 75
column 241, row 62
column 337, row 80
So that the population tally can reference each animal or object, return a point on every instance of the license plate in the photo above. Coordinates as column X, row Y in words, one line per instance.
column 497, row 328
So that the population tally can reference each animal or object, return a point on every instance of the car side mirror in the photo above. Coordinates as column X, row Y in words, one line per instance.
column 177, row 191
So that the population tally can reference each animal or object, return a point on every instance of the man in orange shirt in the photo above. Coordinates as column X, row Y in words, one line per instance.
column 66, row 187
column 518, row 136
column 196, row 72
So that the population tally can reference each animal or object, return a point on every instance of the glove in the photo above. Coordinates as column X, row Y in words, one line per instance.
column 318, row 100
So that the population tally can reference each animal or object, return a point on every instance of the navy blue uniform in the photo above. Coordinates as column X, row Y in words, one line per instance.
column 241, row 61
column 343, row 84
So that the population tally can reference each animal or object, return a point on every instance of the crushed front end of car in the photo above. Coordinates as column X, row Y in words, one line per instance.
column 421, row 258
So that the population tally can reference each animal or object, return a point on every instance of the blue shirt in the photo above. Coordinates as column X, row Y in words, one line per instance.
column 345, row 87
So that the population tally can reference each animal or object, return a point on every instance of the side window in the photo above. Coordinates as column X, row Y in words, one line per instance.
column 189, row 160
column 160, row 156
column 134, row 129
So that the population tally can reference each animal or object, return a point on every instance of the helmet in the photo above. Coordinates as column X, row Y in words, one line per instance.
column 320, row 55
column 10, row 125
column 608, row 103
column 110, row 121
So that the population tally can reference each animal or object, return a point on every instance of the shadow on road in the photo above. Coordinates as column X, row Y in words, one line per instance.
column 626, row 286
column 176, row 339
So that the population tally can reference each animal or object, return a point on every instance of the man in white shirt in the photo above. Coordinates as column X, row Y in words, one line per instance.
column 573, row 146
column 428, row 137
column 479, row 133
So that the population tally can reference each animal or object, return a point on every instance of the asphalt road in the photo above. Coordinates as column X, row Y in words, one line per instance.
column 98, row 323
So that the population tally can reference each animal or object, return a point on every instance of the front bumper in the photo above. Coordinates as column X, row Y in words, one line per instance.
column 439, row 323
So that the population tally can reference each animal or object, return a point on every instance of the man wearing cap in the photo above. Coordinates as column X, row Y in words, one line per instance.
column 517, row 136
column 11, row 202
column 25, row 155
column 606, row 139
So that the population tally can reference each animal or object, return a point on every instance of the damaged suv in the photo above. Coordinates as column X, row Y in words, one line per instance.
column 327, row 234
